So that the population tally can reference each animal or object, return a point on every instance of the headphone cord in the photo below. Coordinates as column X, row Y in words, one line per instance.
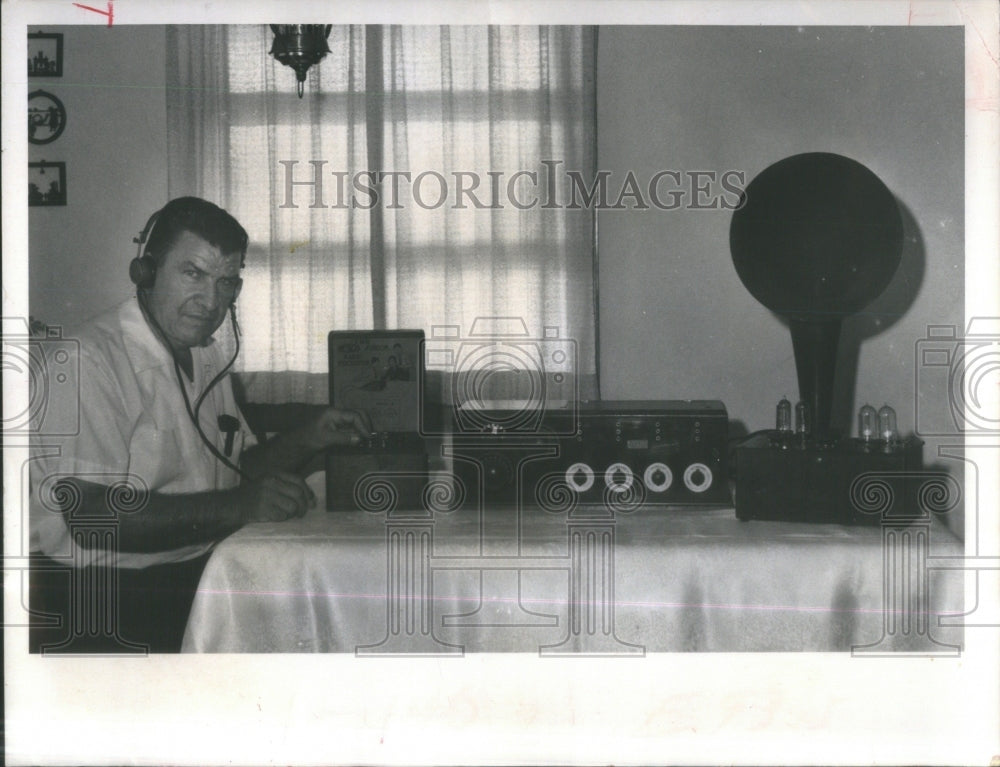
column 232, row 361
column 193, row 415
column 211, row 385
column 193, row 412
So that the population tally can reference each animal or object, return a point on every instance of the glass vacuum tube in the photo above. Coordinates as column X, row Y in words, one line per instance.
column 867, row 424
column 803, row 420
column 783, row 416
column 887, row 426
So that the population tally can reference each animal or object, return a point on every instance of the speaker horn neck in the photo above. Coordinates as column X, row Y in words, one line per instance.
column 815, row 345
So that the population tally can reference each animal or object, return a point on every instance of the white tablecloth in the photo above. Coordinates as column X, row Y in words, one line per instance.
column 652, row 580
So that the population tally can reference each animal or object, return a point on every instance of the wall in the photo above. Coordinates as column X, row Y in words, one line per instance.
column 115, row 149
column 743, row 98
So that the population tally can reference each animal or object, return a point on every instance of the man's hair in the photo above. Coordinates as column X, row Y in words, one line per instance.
column 201, row 218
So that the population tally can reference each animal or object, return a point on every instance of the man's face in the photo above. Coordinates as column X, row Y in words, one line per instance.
column 194, row 287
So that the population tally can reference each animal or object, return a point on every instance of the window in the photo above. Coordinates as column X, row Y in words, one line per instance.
column 459, row 131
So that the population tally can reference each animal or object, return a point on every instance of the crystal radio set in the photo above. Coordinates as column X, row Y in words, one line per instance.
column 817, row 238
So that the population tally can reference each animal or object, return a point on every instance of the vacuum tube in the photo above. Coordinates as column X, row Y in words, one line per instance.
column 867, row 424
column 887, row 427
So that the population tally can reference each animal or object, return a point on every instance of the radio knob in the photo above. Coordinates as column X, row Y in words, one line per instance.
column 658, row 477
column 618, row 477
column 698, row 478
column 580, row 477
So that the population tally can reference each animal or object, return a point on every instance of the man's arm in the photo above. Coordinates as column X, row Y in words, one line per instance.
column 161, row 521
column 150, row 522
column 292, row 450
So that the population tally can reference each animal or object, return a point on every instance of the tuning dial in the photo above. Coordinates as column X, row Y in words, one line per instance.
column 618, row 477
column 697, row 478
column 658, row 477
column 580, row 477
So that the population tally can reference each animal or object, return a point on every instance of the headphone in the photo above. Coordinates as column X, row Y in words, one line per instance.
column 142, row 271
column 142, row 268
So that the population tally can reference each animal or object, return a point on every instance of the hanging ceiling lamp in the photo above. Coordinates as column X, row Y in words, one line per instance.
column 299, row 46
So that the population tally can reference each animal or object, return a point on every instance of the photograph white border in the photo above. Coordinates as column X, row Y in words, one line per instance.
column 492, row 709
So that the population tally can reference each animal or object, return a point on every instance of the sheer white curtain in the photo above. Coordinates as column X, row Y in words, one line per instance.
column 472, row 130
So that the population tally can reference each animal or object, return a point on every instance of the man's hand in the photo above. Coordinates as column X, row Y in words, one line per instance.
column 293, row 450
column 275, row 498
column 339, row 427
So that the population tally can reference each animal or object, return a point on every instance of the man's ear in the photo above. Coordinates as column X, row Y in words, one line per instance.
column 237, row 289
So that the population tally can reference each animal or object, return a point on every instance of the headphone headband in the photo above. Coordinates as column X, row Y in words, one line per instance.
column 142, row 269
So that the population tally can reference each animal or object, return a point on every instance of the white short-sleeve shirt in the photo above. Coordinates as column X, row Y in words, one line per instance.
column 134, row 426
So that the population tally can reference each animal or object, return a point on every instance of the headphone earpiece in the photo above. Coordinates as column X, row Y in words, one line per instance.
column 142, row 268
column 142, row 271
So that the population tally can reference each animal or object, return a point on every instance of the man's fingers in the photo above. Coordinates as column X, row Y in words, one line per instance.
column 279, row 496
column 346, row 420
column 364, row 422
column 344, row 437
column 290, row 493
column 287, row 479
column 283, row 504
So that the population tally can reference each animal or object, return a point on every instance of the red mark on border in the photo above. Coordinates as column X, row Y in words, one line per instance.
column 110, row 13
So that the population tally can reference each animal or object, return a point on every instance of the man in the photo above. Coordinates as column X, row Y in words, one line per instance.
column 160, row 489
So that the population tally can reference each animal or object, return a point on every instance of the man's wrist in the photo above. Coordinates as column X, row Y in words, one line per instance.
column 239, row 507
column 288, row 451
column 310, row 438
column 301, row 443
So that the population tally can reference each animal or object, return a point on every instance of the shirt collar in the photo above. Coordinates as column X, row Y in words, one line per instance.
column 144, row 348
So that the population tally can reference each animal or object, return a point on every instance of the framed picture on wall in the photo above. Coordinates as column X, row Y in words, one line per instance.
column 46, row 117
column 46, row 183
column 45, row 54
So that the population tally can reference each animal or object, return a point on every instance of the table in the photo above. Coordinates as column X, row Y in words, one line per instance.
column 585, row 581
